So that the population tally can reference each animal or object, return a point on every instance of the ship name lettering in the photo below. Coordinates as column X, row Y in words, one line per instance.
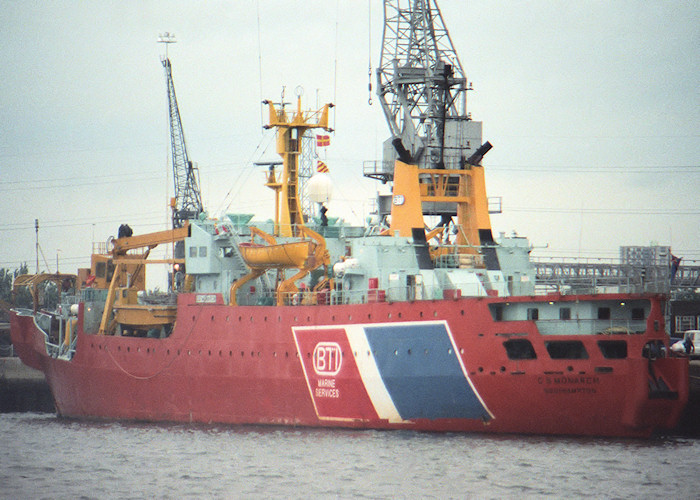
column 567, row 380
column 586, row 380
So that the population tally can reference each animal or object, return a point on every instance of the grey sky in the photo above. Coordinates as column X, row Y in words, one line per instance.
column 592, row 108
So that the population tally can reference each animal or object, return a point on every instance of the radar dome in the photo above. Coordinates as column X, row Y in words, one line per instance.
column 320, row 188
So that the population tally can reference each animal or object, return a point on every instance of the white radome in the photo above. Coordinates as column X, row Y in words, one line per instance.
column 320, row 188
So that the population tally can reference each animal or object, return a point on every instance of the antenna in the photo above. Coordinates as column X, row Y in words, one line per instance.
column 167, row 38
column 36, row 229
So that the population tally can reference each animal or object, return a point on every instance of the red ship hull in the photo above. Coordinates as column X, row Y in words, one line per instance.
column 424, row 365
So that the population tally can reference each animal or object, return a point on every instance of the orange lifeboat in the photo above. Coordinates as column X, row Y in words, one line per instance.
column 289, row 255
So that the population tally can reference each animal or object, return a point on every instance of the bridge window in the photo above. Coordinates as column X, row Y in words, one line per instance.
column 566, row 349
column 202, row 251
column 193, row 252
column 613, row 349
column 519, row 349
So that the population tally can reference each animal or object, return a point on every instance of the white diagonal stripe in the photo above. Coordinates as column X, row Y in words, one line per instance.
column 369, row 373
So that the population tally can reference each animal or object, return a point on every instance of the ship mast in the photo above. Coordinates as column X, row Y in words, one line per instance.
column 289, row 217
column 187, row 202
column 433, row 155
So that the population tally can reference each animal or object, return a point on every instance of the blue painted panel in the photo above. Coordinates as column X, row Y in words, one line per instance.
column 422, row 373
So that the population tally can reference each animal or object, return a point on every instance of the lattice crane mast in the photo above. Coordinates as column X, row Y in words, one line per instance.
column 187, row 202
column 433, row 155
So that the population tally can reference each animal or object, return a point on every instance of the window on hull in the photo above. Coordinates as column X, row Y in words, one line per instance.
column 654, row 349
column 566, row 349
column 519, row 349
column 613, row 349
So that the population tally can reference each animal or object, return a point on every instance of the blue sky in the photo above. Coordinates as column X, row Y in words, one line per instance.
column 592, row 108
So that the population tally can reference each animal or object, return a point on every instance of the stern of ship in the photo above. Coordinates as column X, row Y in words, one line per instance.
column 658, row 399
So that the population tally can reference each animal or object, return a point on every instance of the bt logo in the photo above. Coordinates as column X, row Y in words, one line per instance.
column 327, row 359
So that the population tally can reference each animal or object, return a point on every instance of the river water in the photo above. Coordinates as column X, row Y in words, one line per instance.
column 42, row 456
